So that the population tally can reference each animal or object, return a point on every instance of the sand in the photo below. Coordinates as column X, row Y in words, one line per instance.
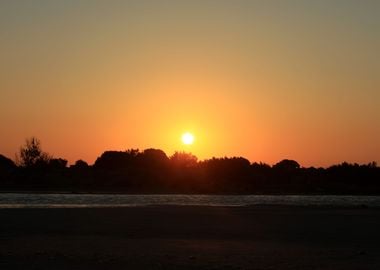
column 196, row 237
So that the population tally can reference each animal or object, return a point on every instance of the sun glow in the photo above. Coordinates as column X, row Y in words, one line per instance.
column 187, row 138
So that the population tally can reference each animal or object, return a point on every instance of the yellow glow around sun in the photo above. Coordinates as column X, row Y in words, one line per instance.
column 187, row 138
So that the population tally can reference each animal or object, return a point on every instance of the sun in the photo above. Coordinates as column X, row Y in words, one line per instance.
column 187, row 138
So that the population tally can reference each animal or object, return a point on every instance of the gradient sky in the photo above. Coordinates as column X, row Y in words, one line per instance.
column 266, row 80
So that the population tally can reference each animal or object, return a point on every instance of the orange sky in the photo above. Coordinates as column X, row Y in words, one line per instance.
column 266, row 80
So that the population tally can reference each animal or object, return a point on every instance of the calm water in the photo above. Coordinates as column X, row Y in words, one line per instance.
column 14, row 200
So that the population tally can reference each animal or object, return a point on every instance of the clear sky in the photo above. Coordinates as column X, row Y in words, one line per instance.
column 266, row 80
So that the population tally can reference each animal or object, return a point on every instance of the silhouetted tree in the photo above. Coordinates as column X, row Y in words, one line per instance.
column 154, row 157
column 152, row 171
column 7, row 169
column 372, row 164
column 183, row 160
column 57, row 163
column 260, row 166
column 226, row 173
column 31, row 154
column 80, row 165
column 287, row 165
column 116, row 160
column 6, row 164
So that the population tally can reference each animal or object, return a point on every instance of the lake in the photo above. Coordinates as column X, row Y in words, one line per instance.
column 22, row 200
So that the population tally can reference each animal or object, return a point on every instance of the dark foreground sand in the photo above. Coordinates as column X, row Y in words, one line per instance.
column 172, row 237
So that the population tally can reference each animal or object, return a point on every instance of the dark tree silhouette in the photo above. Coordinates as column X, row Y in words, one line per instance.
column 80, row 165
column 7, row 169
column 31, row 154
column 116, row 160
column 287, row 165
column 183, row 160
column 151, row 171
column 57, row 163
column 154, row 157
column 6, row 164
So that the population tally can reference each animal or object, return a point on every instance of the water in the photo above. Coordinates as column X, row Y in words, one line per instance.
column 18, row 200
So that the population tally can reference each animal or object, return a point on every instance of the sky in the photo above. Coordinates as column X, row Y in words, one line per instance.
column 265, row 80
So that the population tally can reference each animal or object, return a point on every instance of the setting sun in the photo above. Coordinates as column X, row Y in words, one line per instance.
column 187, row 138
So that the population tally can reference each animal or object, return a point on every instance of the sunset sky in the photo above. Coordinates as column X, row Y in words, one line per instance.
column 266, row 80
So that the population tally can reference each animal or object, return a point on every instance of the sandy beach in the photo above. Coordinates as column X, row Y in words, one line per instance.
column 190, row 237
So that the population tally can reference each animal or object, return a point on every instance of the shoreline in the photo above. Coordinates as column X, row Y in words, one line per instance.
column 176, row 193
column 155, row 206
column 62, row 200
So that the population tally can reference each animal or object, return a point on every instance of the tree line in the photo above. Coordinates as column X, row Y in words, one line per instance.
column 152, row 171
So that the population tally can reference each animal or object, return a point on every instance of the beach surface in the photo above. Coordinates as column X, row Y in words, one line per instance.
column 190, row 237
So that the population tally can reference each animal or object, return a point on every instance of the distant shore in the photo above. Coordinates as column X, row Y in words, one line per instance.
column 120, row 192
column 190, row 237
